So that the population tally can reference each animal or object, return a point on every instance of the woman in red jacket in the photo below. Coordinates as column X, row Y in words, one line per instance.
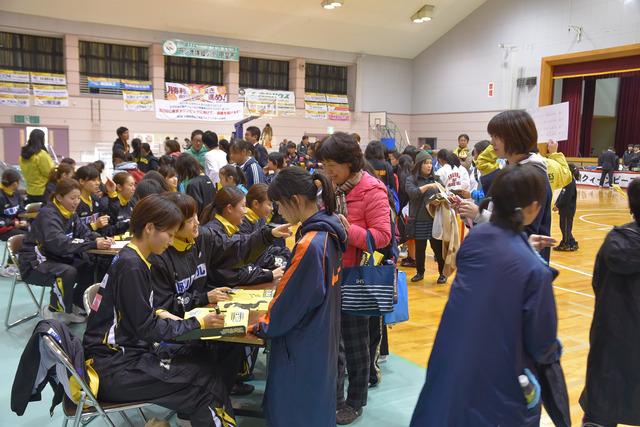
column 362, row 204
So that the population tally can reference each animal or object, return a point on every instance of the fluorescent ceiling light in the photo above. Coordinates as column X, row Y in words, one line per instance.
column 423, row 15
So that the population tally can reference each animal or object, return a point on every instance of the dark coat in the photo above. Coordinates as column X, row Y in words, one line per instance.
column 500, row 319
column 611, row 392
column 418, row 201
column 608, row 160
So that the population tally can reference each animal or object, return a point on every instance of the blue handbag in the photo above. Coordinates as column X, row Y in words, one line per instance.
column 369, row 290
column 400, row 311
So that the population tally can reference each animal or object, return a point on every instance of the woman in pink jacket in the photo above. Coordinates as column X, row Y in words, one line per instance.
column 362, row 204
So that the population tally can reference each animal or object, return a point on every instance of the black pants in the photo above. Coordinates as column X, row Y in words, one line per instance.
column 35, row 199
column 69, row 282
column 421, row 249
column 13, row 232
column 355, row 358
column 566, row 227
column 588, row 421
column 376, row 326
column 606, row 172
column 196, row 385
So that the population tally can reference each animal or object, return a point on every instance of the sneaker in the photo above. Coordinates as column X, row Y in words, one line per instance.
column 562, row 247
column 242, row 389
column 417, row 278
column 442, row 280
column 9, row 271
column 71, row 318
column 347, row 415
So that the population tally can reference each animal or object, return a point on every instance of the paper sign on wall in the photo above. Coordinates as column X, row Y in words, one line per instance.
column 194, row 92
column 14, row 94
column 552, row 122
column 50, row 96
column 190, row 110
column 137, row 101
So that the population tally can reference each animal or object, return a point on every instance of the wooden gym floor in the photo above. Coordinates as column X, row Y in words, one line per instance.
column 598, row 211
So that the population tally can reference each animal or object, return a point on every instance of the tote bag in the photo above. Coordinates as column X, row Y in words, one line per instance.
column 369, row 290
column 400, row 311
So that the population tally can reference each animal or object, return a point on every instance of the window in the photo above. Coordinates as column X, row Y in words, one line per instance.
column 325, row 79
column 112, row 61
column 257, row 73
column 31, row 53
column 192, row 70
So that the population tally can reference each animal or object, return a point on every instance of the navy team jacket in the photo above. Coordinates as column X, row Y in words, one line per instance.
column 303, row 323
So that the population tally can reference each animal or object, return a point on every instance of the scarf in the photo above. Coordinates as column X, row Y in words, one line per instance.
column 64, row 211
column 182, row 245
column 229, row 228
column 7, row 190
column 343, row 190
column 252, row 216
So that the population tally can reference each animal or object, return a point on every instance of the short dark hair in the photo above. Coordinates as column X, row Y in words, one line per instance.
column 147, row 187
column 291, row 144
column 480, row 146
column 187, row 205
column 234, row 172
column 121, row 130
column 517, row 130
column 167, row 171
column 277, row 159
column 342, row 148
column 239, row 145
column 121, row 177
column 146, row 147
column 98, row 164
column 69, row 161
column 412, row 151
column 119, row 154
column 448, row 157
column 463, row 136
column 187, row 167
column 9, row 176
column 257, row 193
column 167, row 160
column 87, row 173
column 196, row 132
column 254, row 132
column 375, row 151
column 224, row 145
column 305, row 137
column 227, row 195
column 210, row 139
column 633, row 193
column 157, row 177
column 294, row 181
column 514, row 188
column 65, row 186
column 155, row 209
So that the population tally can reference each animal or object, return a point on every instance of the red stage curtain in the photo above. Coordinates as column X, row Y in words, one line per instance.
column 594, row 67
column 628, row 126
column 588, row 105
column 572, row 93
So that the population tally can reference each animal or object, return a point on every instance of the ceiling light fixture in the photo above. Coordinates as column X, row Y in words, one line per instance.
column 423, row 15
column 331, row 4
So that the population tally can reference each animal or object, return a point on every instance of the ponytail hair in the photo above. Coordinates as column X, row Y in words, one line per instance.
column 234, row 172
column 294, row 181
column 513, row 189
column 227, row 195
column 239, row 145
column 449, row 158
column 59, row 171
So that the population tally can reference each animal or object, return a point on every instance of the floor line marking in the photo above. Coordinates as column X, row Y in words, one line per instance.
column 555, row 264
column 574, row 292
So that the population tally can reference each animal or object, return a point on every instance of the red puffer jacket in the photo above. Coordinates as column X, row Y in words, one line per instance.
column 368, row 209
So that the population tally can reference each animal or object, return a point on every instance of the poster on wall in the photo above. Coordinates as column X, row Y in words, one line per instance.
column 315, row 110
column 263, row 102
column 194, row 110
column 103, row 83
column 48, row 79
column 14, row 76
column 552, row 121
column 315, row 97
column 189, row 49
column 195, row 92
column 14, row 94
column 137, row 101
column 50, row 96
column 337, row 99
column 339, row 112
column 136, row 85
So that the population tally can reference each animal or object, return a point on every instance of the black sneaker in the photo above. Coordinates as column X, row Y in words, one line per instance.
column 442, row 280
column 347, row 415
column 562, row 247
column 408, row 262
column 417, row 278
column 241, row 389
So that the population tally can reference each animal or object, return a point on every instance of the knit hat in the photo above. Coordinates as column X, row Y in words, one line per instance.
column 422, row 156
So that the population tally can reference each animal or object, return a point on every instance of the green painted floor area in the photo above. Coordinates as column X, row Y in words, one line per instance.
column 390, row 404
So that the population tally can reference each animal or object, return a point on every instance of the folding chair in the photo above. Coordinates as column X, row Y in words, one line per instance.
column 89, row 294
column 88, row 407
column 13, row 246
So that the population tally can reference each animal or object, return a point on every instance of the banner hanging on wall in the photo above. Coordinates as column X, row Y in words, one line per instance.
column 137, row 100
column 50, row 96
column 14, row 94
column 315, row 110
column 195, row 92
column 321, row 106
column 194, row 110
column 263, row 102
column 48, row 79
column 14, row 76
column 190, row 49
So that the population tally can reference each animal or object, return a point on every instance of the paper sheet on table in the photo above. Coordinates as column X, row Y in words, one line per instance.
column 249, row 299
column 119, row 244
column 233, row 318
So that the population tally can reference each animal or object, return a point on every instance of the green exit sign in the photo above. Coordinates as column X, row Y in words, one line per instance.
column 26, row 120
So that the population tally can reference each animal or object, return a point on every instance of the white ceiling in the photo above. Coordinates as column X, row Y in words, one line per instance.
column 376, row 27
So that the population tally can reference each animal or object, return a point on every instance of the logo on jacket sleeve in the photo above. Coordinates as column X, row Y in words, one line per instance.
column 184, row 284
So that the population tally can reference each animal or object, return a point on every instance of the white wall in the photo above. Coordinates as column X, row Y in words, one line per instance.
column 452, row 74
column 606, row 100
column 385, row 84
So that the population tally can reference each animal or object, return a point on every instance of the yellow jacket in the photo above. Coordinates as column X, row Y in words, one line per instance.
column 557, row 167
column 36, row 172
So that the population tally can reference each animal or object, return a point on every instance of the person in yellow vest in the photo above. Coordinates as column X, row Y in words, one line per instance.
column 36, row 164
column 463, row 151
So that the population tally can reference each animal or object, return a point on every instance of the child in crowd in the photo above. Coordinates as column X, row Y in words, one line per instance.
column 147, row 161
column 292, row 158
column 303, row 321
column 241, row 152
column 193, row 181
column 566, row 207
column 275, row 164
column 231, row 175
